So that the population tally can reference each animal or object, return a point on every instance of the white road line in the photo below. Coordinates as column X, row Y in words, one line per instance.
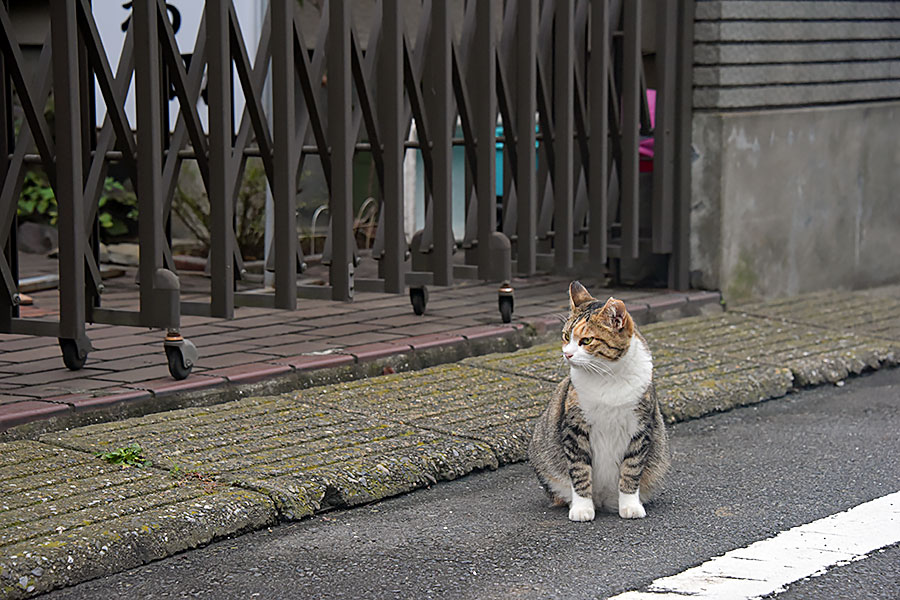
column 770, row 565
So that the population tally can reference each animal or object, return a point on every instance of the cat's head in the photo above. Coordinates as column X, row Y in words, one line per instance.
column 595, row 330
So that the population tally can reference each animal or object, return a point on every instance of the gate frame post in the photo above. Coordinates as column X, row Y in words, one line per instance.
column 69, row 184
column 286, row 160
column 221, row 210
column 563, row 145
column 340, row 89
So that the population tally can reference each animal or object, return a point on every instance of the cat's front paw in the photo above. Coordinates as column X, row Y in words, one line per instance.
column 581, row 513
column 582, row 509
column 632, row 512
column 630, row 506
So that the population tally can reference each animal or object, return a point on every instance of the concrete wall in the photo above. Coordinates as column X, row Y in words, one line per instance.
column 796, row 121
column 792, row 201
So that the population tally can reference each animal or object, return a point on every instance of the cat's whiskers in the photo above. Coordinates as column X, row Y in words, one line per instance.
column 594, row 367
column 599, row 369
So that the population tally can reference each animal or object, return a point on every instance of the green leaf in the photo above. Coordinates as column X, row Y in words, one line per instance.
column 129, row 456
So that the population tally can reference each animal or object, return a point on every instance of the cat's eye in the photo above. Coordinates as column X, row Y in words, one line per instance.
column 585, row 341
column 565, row 336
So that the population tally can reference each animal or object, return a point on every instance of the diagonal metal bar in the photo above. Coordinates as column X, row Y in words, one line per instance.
column 112, row 96
column 40, row 131
column 316, row 69
column 417, row 107
column 252, row 87
column 366, row 66
column 13, row 180
column 258, row 75
column 187, row 103
column 545, row 116
column 464, row 107
column 311, row 98
column 366, row 108
column 505, row 104
column 106, row 138
column 179, row 137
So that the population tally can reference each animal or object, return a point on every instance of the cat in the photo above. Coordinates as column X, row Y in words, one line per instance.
column 601, row 441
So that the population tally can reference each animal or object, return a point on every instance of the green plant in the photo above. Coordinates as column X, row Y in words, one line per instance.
column 127, row 456
column 36, row 200
column 117, row 210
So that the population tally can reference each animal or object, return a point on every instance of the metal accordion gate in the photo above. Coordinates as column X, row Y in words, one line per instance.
column 557, row 85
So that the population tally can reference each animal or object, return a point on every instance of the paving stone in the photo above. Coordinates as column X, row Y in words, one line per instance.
column 65, row 388
column 50, row 350
column 168, row 385
column 158, row 371
column 230, row 360
column 363, row 336
column 814, row 355
column 302, row 455
column 14, row 413
column 689, row 384
column 249, row 373
column 309, row 362
column 295, row 349
column 494, row 407
column 875, row 312
column 8, row 398
column 423, row 328
column 367, row 352
column 421, row 342
column 67, row 516
column 105, row 397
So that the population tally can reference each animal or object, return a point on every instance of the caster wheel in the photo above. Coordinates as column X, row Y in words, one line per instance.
column 506, row 309
column 73, row 358
column 505, row 301
column 419, row 298
column 177, row 367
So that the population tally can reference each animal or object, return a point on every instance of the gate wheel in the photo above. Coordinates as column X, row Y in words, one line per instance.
column 505, row 299
column 418, row 296
column 72, row 357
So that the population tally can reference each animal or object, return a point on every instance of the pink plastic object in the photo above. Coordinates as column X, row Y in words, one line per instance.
column 645, row 148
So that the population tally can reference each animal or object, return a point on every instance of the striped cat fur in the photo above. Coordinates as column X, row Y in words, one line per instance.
column 601, row 441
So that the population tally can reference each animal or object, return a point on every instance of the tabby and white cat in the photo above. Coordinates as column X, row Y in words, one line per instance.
column 601, row 441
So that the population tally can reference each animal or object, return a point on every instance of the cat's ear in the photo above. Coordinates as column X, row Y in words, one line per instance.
column 578, row 295
column 616, row 316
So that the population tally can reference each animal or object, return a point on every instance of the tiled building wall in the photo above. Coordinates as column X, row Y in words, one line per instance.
column 767, row 54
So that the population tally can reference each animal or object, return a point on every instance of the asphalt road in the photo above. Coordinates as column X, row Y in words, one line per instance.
column 737, row 477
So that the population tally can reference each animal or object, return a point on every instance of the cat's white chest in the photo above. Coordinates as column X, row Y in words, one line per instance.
column 608, row 403
column 611, row 429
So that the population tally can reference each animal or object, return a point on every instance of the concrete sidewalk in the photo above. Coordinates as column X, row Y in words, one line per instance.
column 67, row 516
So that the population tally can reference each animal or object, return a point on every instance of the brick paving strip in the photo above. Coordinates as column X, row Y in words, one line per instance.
column 267, row 351
column 66, row 516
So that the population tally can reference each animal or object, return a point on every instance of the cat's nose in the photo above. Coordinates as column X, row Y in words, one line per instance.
column 568, row 355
